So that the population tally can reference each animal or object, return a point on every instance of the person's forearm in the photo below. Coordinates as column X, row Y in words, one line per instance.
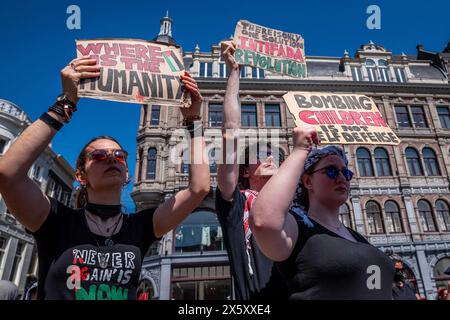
column 25, row 150
column 231, row 109
column 275, row 198
column 199, row 176
column 228, row 172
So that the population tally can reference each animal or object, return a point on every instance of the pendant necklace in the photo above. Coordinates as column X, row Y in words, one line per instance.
column 108, row 242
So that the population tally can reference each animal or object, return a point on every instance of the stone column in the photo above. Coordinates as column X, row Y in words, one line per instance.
column 144, row 163
column 165, row 283
column 24, row 266
column 424, row 270
column 357, row 211
column 8, row 258
column 415, row 232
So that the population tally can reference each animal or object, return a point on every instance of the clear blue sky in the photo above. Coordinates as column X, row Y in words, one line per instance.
column 36, row 44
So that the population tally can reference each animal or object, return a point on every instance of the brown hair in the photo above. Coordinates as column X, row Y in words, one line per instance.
column 81, row 198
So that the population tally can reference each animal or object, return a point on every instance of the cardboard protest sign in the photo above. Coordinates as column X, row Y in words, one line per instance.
column 270, row 49
column 341, row 118
column 134, row 71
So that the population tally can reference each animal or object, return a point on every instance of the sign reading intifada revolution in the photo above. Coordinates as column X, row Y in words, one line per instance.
column 135, row 71
column 269, row 49
column 341, row 118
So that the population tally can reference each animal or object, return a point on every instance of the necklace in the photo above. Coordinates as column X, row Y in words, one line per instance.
column 103, row 262
column 338, row 228
column 107, row 228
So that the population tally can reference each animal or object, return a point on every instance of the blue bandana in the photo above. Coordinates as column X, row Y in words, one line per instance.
column 314, row 157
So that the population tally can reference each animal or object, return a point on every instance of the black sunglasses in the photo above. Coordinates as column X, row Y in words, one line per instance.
column 102, row 155
column 332, row 172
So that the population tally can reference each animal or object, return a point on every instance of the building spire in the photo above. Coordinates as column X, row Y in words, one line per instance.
column 166, row 26
column 165, row 32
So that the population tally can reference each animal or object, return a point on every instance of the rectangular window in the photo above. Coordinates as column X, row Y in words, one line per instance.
column 403, row 119
column 156, row 110
column 254, row 73
column 248, row 115
column 419, row 117
column 2, row 249
column 372, row 73
column 356, row 74
column 272, row 112
column 242, row 72
column 209, row 70
column 206, row 69
column 202, row 290
column 443, row 113
column 384, row 74
column 223, row 70
column 16, row 262
column 400, row 75
column 215, row 115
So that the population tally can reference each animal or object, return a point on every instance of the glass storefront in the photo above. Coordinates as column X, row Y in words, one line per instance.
column 200, row 231
column 201, row 283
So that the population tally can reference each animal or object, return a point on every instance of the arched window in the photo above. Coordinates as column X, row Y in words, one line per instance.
column 431, row 163
column 374, row 217
column 364, row 162
column 372, row 70
column 200, row 231
column 443, row 215
column 393, row 217
column 440, row 273
column 151, row 164
column 344, row 215
column 212, row 161
column 185, row 160
column 426, row 216
column 382, row 162
column 413, row 161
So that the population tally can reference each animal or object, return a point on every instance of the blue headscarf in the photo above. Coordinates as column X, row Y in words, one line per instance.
column 314, row 157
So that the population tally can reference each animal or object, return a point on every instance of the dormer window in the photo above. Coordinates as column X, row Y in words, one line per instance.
column 377, row 71
column 384, row 72
column 371, row 70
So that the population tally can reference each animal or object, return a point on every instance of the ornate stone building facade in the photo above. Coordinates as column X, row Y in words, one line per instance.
column 400, row 195
column 18, row 255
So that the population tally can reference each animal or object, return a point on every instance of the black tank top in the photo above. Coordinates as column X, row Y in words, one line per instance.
column 324, row 265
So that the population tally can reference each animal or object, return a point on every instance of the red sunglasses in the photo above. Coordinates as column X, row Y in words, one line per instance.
column 102, row 155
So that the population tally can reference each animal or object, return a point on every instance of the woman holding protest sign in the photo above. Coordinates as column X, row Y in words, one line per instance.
column 94, row 252
column 317, row 255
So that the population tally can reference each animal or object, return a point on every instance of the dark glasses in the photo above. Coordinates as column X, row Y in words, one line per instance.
column 332, row 172
column 102, row 155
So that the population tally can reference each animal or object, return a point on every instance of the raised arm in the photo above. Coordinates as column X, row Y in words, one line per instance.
column 22, row 196
column 228, row 172
column 175, row 209
column 276, row 231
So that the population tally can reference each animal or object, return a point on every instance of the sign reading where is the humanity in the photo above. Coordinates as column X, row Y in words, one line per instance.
column 135, row 71
column 270, row 49
column 341, row 118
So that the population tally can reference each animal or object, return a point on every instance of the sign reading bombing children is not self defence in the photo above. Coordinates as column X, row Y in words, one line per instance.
column 269, row 49
column 341, row 118
column 134, row 71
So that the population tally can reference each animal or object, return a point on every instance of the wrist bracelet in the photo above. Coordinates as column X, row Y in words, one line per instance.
column 52, row 122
